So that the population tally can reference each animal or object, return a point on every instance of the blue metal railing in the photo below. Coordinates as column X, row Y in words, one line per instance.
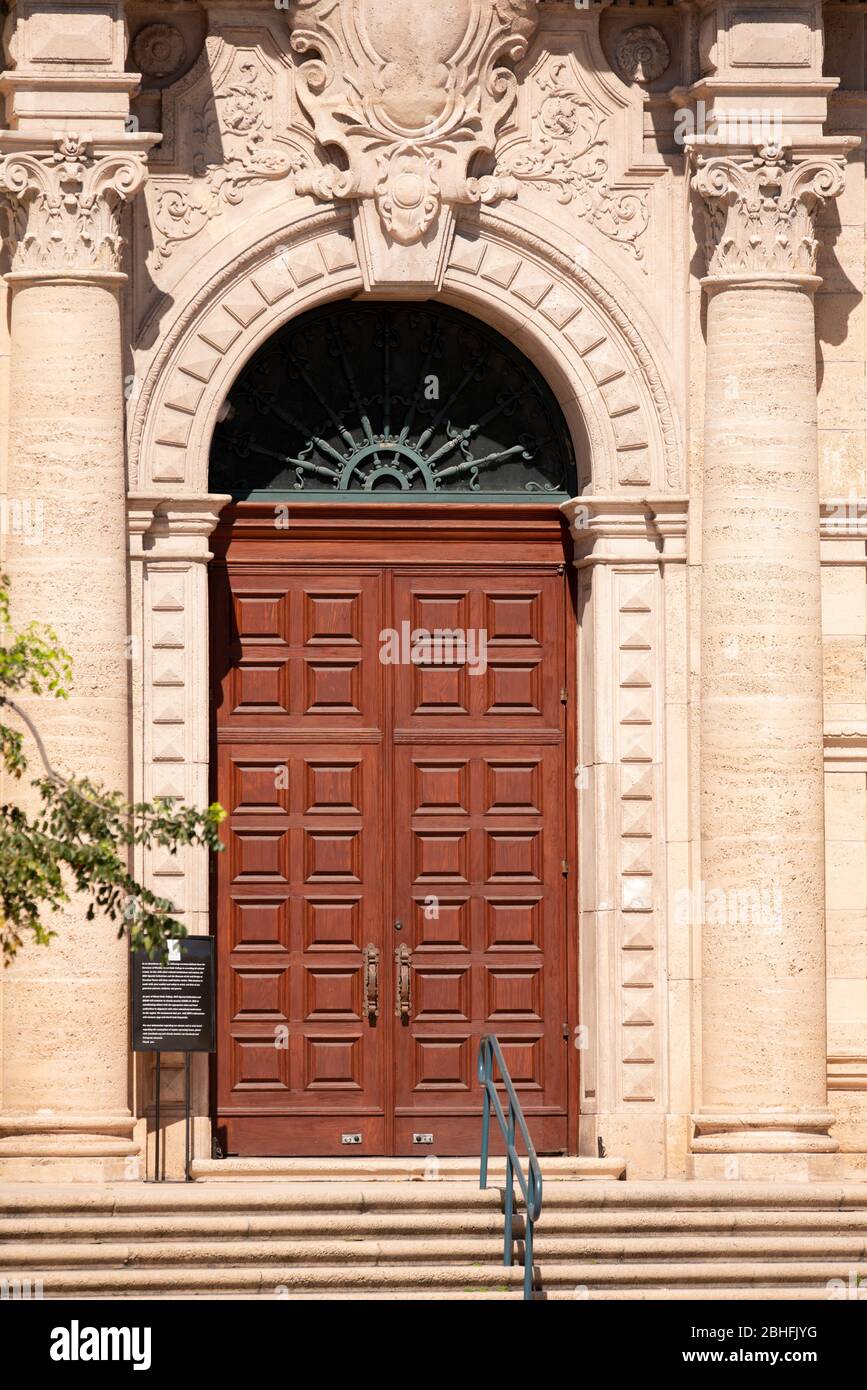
column 531, row 1185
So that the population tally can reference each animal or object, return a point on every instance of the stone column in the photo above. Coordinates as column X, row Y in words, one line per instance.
column 66, row 1103
column 763, row 1063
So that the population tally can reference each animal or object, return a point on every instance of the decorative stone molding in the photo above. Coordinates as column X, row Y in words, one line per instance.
column 628, row 529
column 846, row 745
column 409, row 93
column 236, row 138
column 62, row 205
column 604, row 372
column 568, row 153
column 760, row 210
column 169, row 554
column 642, row 54
column 621, row 548
column 169, row 550
column 158, row 50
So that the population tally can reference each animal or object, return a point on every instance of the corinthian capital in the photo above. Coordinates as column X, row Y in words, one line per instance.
column 61, row 205
column 760, row 210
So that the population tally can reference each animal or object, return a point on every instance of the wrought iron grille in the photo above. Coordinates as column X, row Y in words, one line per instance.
column 406, row 402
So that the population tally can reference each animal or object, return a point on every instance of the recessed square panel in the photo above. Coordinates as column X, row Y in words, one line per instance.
column 261, row 993
column 514, row 856
column 445, row 612
column 260, row 617
column 332, row 618
column 514, row 687
column 260, row 855
column 332, row 856
column 513, row 787
column 332, row 993
column 333, row 786
column 332, row 924
column 513, row 618
column 260, row 687
column 332, row 687
column 514, row 993
column 524, row 1058
column 440, row 690
column 440, row 855
column 441, row 1064
column 441, row 788
column 258, row 1064
column 441, row 924
column 441, row 995
column 260, row 924
column 513, row 924
column 259, row 786
column 333, row 1063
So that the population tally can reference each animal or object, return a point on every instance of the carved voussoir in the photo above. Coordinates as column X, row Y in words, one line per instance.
column 760, row 210
column 61, row 206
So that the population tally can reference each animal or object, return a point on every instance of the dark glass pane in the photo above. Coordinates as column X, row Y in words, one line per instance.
column 391, row 401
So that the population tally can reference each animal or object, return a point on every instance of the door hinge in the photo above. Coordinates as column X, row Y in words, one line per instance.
column 564, row 696
column 565, row 867
column 561, row 569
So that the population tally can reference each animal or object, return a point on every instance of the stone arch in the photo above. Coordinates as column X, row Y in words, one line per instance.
column 567, row 322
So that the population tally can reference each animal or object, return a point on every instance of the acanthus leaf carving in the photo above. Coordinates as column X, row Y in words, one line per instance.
column 760, row 209
column 62, row 205
column 409, row 95
column 567, row 152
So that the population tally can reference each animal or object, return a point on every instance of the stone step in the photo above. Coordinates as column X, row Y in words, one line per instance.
column 359, row 1249
column 627, row 1201
column 366, row 1246
column 554, row 1168
column 112, row 1200
column 575, row 1280
column 752, row 1293
column 155, row 1226
column 95, row 1254
column 179, row 1280
column 419, row 1220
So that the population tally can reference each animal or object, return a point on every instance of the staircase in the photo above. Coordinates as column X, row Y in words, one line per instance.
column 381, row 1236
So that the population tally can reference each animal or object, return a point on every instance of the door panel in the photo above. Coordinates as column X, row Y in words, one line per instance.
column 361, row 795
column 479, row 850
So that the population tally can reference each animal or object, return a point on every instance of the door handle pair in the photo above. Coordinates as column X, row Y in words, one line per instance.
column 403, row 983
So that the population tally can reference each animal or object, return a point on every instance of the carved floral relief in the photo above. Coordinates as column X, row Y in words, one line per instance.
column 567, row 154
column 232, row 147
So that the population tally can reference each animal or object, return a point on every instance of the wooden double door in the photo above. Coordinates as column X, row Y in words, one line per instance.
column 395, row 881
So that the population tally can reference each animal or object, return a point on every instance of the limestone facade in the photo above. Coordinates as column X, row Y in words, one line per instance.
column 663, row 207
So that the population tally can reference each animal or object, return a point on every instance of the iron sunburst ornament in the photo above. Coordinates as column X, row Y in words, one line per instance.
column 390, row 400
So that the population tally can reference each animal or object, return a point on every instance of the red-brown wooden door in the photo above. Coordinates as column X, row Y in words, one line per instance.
column 374, row 807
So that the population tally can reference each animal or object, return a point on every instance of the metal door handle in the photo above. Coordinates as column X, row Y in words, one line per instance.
column 403, row 1004
column 371, row 982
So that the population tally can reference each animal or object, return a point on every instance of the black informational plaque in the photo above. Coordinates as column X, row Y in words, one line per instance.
column 173, row 1004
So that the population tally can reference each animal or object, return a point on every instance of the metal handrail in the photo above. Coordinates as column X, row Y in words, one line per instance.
column 531, row 1185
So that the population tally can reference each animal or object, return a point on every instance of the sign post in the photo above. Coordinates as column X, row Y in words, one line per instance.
column 173, row 1011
